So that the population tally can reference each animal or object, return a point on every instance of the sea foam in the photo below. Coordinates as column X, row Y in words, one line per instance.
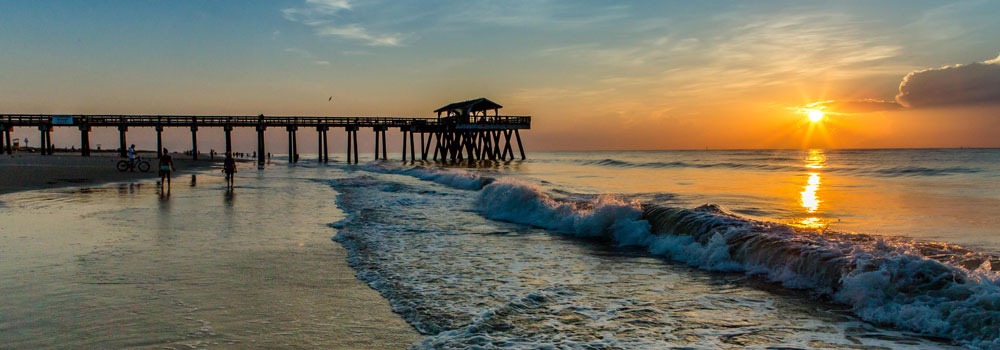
column 931, row 288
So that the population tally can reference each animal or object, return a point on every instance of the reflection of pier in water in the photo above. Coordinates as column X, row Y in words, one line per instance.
column 461, row 131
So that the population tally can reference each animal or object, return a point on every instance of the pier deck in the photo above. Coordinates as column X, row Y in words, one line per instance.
column 477, row 137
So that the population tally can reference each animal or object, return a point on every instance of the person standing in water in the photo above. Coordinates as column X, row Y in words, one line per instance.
column 229, row 167
column 166, row 167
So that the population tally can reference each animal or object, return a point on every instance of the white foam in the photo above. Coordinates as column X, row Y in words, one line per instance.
column 883, row 279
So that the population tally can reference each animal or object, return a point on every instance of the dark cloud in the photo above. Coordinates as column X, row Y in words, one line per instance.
column 963, row 84
column 853, row 107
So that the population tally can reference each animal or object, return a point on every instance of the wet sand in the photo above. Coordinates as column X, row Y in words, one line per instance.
column 122, row 266
column 27, row 171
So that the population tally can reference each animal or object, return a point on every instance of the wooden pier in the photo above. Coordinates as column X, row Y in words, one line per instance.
column 461, row 131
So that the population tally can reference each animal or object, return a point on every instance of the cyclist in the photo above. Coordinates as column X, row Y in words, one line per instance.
column 131, row 157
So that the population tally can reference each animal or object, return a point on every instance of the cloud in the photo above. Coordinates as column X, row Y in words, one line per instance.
column 307, row 55
column 961, row 84
column 844, row 107
column 324, row 16
column 354, row 31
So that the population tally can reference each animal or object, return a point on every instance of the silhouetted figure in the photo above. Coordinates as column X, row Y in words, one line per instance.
column 229, row 168
column 166, row 169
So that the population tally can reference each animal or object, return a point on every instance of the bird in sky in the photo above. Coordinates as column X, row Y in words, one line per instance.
column 330, row 99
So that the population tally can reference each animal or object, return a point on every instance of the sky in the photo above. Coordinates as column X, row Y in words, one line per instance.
column 594, row 75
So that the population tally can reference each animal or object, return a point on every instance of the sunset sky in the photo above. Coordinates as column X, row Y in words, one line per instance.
column 594, row 75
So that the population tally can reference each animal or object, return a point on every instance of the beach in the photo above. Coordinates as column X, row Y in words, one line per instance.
column 123, row 266
column 611, row 249
column 26, row 171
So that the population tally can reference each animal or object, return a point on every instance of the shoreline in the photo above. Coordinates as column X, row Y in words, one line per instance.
column 25, row 171
column 201, row 266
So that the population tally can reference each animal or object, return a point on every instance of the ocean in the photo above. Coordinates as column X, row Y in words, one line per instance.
column 760, row 249
column 688, row 249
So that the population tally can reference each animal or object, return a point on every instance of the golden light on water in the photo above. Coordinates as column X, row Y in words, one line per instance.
column 809, row 197
column 808, row 194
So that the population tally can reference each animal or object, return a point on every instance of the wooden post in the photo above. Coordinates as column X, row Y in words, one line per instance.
column 423, row 149
column 413, row 154
column 121, row 140
column 293, row 144
column 356, row 145
column 6, row 132
column 376, row 142
column 229, row 138
column 326, row 148
column 506, row 148
column 194, row 142
column 159, row 142
column 404, row 145
column 3, row 139
column 348, row 145
column 261, row 150
column 519, row 146
column 384, row 148
column 42, row 144
column 85, row 140
column 319, row 144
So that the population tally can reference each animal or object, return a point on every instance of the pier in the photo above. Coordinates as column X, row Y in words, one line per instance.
column 460, row 131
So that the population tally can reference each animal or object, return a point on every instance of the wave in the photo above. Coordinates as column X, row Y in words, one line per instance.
column 932, row 288
column 897, row 171
column 451, row 178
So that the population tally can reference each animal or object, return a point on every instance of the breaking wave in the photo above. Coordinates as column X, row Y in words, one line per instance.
column 931, row 288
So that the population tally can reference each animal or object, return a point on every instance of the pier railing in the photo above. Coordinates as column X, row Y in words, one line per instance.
column 457, row 138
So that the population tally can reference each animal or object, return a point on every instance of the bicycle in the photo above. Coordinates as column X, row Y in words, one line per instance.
column 138, row 163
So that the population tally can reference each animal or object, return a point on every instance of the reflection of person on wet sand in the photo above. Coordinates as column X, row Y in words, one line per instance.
column 229, row 168
column 166, row 167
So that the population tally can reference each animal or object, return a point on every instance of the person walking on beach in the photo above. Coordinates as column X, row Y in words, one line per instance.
column 166, row 167
column 229, row 167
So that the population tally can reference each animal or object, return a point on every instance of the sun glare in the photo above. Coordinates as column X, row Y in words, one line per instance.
column 815, row 115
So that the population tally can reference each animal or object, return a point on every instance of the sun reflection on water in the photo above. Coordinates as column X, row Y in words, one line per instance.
column 808, row 197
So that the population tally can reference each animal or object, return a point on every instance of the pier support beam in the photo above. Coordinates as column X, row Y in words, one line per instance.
column 260, row 146
column 6, row 133
column 519, row 146
column 404, row 144
column 293, row 147
column 194, row 142
column 45, row 144
column 159, row 141
column 123, row 150
column 85, row 140
column 423, row 149
column 229, row 139
column 352, row 143
column 413, row 156
column 321, row 154
column 349, row 134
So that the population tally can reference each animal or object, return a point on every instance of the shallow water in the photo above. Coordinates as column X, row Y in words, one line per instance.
column 799, row 249
column 600, row 250
column 123, row 266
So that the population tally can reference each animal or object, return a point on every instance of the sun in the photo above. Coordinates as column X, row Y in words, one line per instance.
column 815, row 115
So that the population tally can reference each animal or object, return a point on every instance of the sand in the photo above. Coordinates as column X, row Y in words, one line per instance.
column 124, row 266
column 27, row 171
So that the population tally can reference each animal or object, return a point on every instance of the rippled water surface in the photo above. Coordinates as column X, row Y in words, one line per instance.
column 869, row 249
